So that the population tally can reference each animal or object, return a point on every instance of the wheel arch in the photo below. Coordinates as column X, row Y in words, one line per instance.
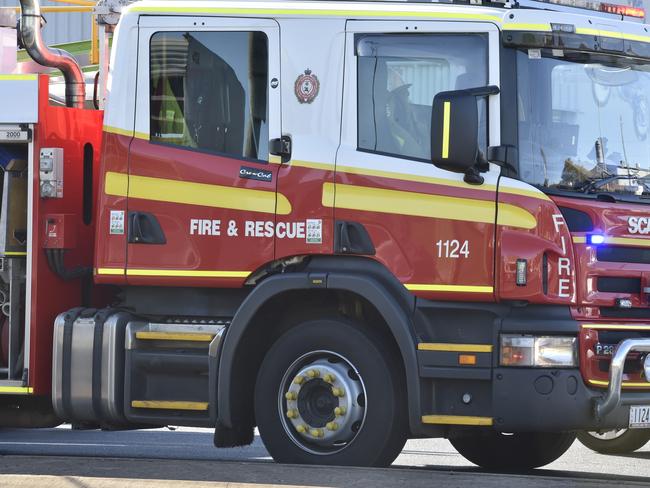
column 364, row 278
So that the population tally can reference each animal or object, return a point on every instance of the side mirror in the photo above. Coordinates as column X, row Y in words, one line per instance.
column 454, row 128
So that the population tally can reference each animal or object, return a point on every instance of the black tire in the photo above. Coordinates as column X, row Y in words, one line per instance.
column 376, row 440
column 625, row 442
column 517, row 451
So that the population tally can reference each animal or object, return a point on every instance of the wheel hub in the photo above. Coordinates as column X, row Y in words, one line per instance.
column 322, row 402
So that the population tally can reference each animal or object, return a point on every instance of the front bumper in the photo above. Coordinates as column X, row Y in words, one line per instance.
column 526, row 399
column 614, row 397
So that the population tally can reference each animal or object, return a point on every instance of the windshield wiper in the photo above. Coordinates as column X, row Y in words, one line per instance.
column 596, row 183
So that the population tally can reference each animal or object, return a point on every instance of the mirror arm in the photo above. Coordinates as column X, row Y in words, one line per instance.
column 473, row 176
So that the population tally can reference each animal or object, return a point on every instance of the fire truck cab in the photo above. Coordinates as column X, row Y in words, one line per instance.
column 345, row 223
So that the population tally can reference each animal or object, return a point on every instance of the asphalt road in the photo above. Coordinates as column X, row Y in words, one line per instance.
column 137, row 455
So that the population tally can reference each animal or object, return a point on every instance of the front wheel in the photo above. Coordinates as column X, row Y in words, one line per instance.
column 495, row 450
column 617, row 441
column 331, row 392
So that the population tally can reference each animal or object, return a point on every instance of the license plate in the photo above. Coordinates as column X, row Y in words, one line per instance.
column 640, row 417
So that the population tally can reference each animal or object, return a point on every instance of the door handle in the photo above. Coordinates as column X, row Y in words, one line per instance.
column 144, row 228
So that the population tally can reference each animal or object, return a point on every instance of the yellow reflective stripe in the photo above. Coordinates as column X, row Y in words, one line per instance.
column 587, row 31
column 339, row 11
column 590, row 32
column 617, row 326
column 18, row 77
column 527, row 27
column 16, row 253
column 110, row 271
column 639, row 242
column 524, row 192
column 514, row 216
column 116, row 184
column 117, row 130
column 448, row 347
column 313, row 165
column 424, row 205
column 450, row 288
column 125, row 132
column 191, row 193
column 626, row 241
column 626, row 384
column 16, row 390
column 187, row 273
column 456, row 420
column 174, row 336
column 445, row 129
column 532, row 193
column 169, row 405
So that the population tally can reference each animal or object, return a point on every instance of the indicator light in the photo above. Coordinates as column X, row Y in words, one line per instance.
column 623, row 303
column 595, row 239
column 467, row 359
column 623, row 10
column 522, row 272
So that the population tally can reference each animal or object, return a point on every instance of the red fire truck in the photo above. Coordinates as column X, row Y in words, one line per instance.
column 343, row 223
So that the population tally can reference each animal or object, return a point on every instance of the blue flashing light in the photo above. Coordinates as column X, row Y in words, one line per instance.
column 595, row 239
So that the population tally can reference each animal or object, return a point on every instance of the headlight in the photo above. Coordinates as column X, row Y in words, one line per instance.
column 540, row 352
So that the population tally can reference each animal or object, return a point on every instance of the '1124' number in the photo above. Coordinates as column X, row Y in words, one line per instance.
column 453, row 249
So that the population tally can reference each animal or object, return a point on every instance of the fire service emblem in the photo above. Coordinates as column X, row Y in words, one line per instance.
column 306, row 87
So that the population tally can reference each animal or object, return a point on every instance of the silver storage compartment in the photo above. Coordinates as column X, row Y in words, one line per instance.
column 88, row 366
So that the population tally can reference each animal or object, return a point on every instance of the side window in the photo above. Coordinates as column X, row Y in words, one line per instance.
column 398, row 76
column 208, row 91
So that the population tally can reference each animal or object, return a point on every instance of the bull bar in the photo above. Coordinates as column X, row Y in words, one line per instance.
column 612, row 399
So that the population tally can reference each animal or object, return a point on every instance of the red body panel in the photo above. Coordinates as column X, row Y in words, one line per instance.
column 550, row 237
column 110, row 249
column 189, row 249
column 69, row 129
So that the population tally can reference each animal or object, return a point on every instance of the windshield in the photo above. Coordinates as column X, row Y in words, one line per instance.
column 583, row 121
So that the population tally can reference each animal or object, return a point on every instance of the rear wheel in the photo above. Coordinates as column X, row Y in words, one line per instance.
column 331, row 392
column 495, row 450
column 616, row 441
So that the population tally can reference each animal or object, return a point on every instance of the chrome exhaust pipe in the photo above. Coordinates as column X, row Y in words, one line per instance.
column 32, row 39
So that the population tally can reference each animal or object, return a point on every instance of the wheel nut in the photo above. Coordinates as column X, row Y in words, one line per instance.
column 301, row 429
column 339, row 411
column 290, row 395
column 332, row 426
column 329, row 378
column 293, row 413
column 317, row 432
column 299, row 380
column 313, row 373
column 338, row 392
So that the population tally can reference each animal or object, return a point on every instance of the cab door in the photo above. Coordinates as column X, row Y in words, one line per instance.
column 435, row 232
column 201, row 192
